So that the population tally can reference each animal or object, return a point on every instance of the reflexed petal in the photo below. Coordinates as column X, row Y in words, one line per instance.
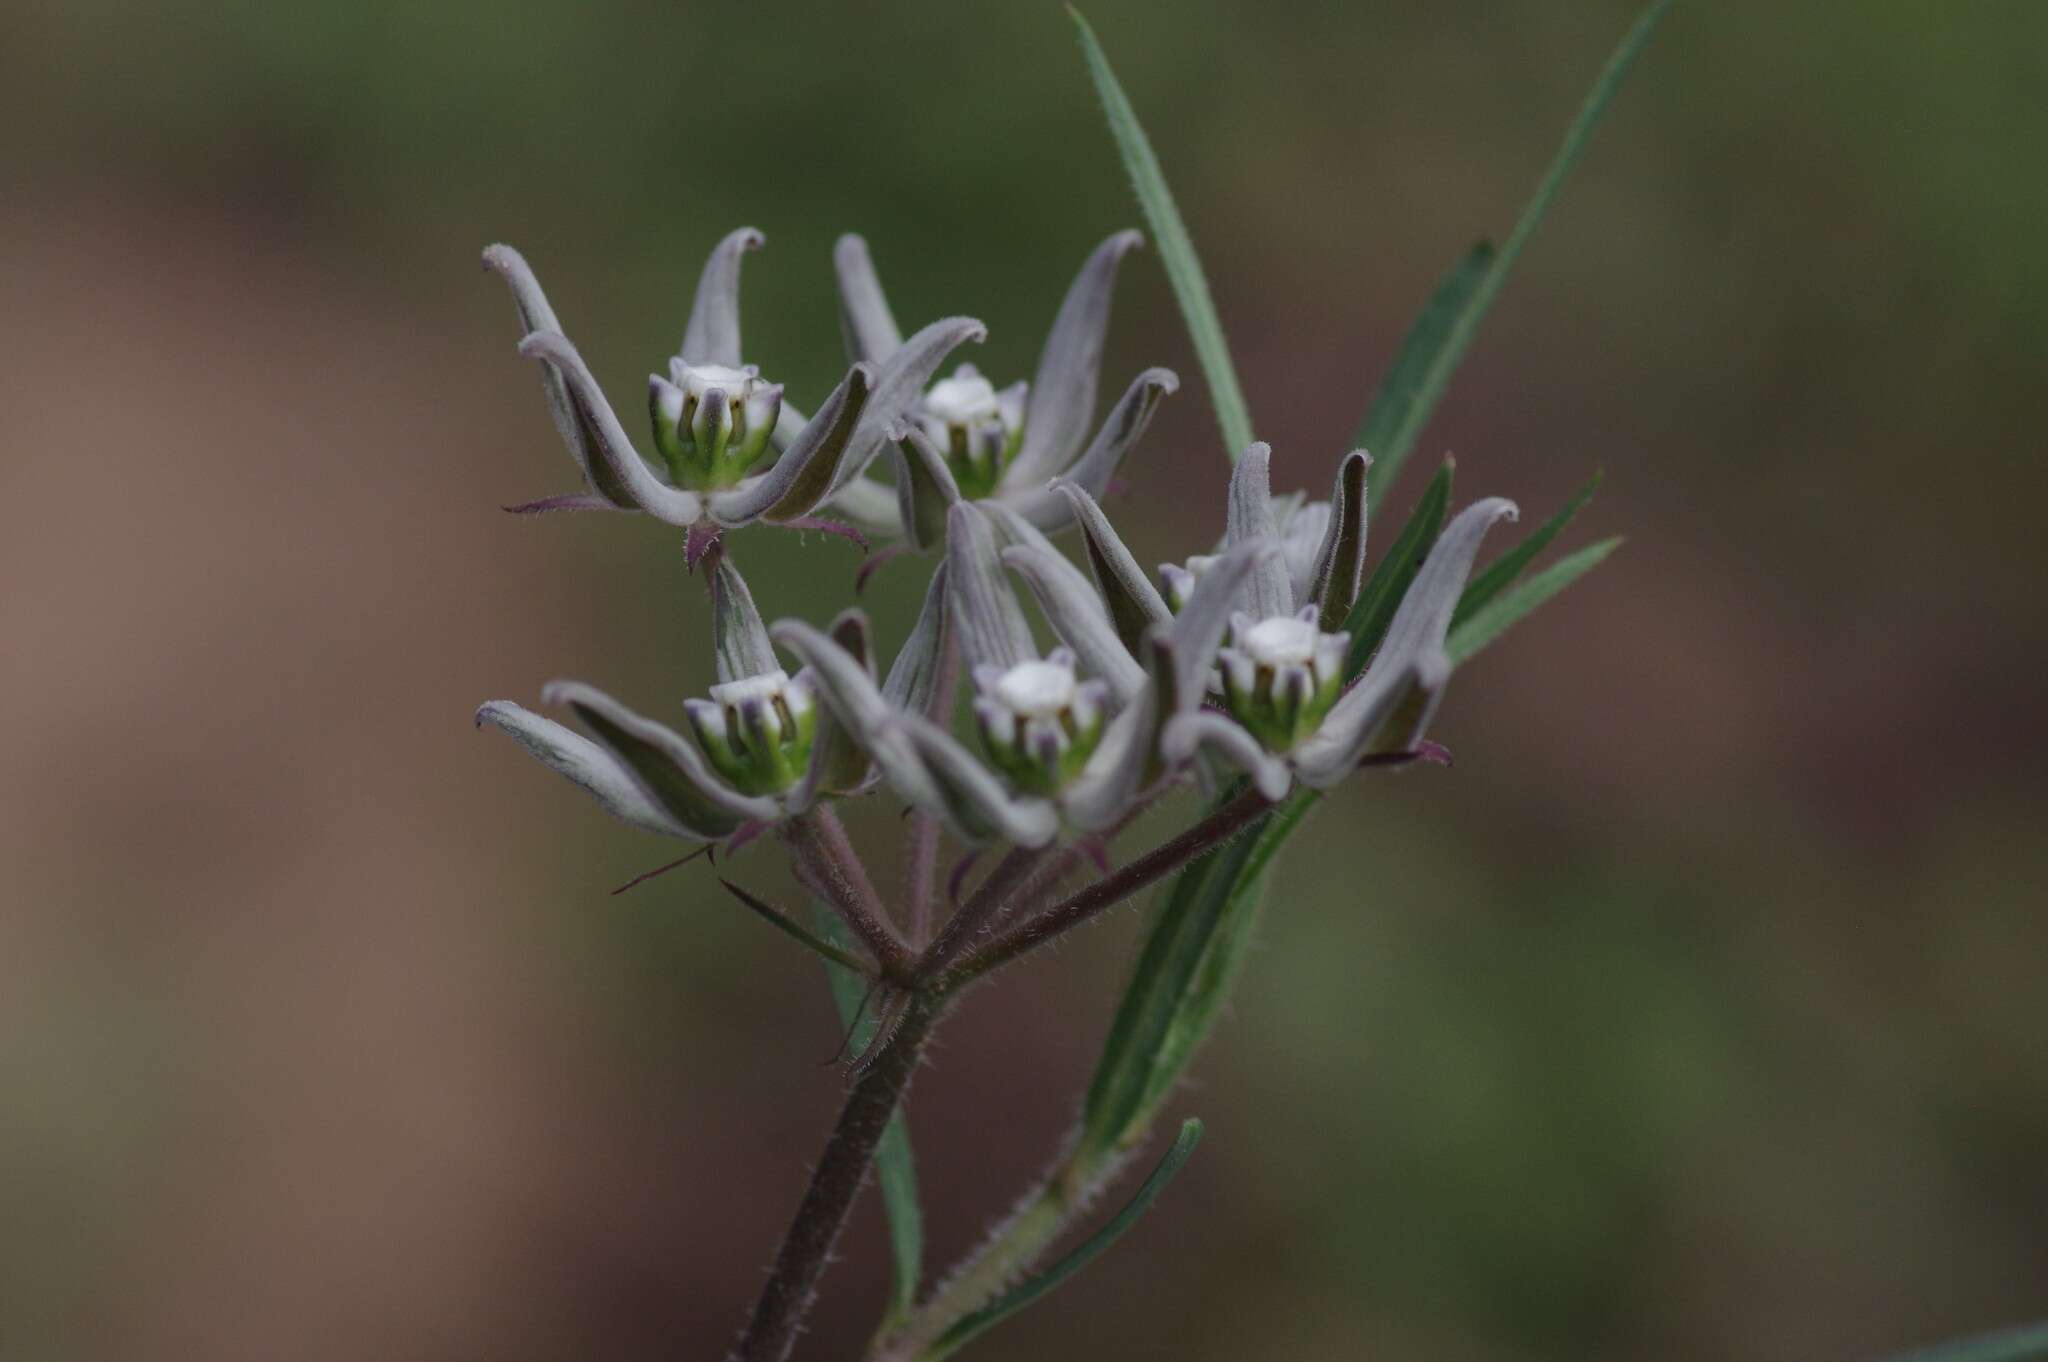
column 803, row 476
column 1077, row 615
column 1390, row 707
column 1251, row 517
column 1340, row 563
column 1092, row 471
column 584, row 764
column 536, row 315
column 915, row 674
column 1197, row 631
column 1118, row 767
column 1134, row 603
column 1187, row 734
column 713, row 335
column 838, row 763
column 985, row 613
column 970, row 800
column 1061, row 401
column 667, row 766
column 899, row 382
column 1303, row 528
column 848, row 690
column 924, row 489
column 736, row 628
column 615, row 469
column 864, row 316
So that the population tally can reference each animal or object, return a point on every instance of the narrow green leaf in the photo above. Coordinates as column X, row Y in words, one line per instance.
column 1175, row 946
column 783, row 923
column 1509, row 565
column 1028, row 1291
column 1176, row 247
column 1492, row 620
column 1418, row 403
column 1381, row 595
column 1391, row 423
column 894, row 1170
column 2024, row 1343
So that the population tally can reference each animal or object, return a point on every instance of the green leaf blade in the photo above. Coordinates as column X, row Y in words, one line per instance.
column 1010, row 1302
column 1502, row 572
column 1176, row 247
column 1416, row 405
column 2023, row 1343
column 1498, row 615
column 895, row 1172
column 1391, row 422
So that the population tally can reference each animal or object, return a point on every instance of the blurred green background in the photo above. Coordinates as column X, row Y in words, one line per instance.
column 1697, row 1013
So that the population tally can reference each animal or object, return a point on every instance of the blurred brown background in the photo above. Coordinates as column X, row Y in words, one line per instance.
column 1696, row 1014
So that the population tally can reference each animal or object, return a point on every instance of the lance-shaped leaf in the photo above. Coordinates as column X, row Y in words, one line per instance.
column 864, row 316
column 1390, row 707
column 2022, row 1343
column 1134, row 604
column 667, row 767
column 713, row 333
column 1061, row 399
column 1120, row 431
column 1268, row 592
column 1493, row 619
column 970, row 1327
column 802, row 477
column 1076, row 614
column 990, row 624
column 614, row 468
column 1176, row 247
column 1340, row 562
column 1502, row 571
column 583, row 764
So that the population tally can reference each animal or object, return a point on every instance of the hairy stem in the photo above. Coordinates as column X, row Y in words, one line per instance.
column 981, row 909
column 841, row 1172
column 1204, row 837
column 923, row 856
column 826, row 858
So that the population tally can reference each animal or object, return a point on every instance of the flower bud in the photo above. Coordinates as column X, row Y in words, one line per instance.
column 1280, row 676
column 711, row 423
column 1038, row 724
column 757, row 731
column 1177, row 581
column 976, row 428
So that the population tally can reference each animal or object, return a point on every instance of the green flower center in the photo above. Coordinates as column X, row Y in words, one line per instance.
column 757, row 732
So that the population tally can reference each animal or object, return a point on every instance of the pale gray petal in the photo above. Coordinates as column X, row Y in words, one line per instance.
column 616, row 469
column 1117, row 769
column 985, row 614
column 899, row 382
column 667, row 766
column 1197, row 631
column 803, row 476
column 1267, row 593
column 1134, row 603
column 583, row 763
column 919, row 666
column 868, row 506
column 1094, row 469
column 713, row 335
column 1061, row 402
column 737, row 632
column 1391, row 705
column 1077, row 615
column 838, row 764
column 971, row 801
column 848, row 690
column 536, row 315
column 925, row 489
column 864, row 316
column 1340, row 562
column 1303, row 529
column 1205, row 730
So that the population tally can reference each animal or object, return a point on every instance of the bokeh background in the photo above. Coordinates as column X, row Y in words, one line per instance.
column 1697, row 1013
